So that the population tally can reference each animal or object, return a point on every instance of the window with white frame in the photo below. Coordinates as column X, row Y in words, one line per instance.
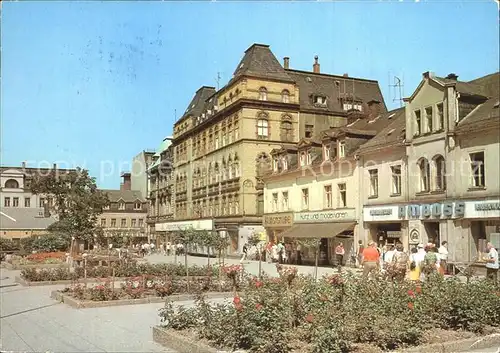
column 275, row 164
column 424, row 171
column 342, row 149
column 137, row 206
column 396, row 179
column 121, row 205
column 305, row 199
column 428, row 119
column 440, row 173
column 284, row 200
column 440, row 117
column 263, row 94
column 275, row 202
column 477, row 169
column 303, row 158
column 373, row 182
column 328, row 196
column 418, row 123
column 320, row 100
column 326, row 152
column 284, row 163
column 342, row 195
column 262, row 127
column 285, row 96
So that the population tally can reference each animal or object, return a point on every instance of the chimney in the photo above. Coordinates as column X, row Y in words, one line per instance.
column 452, row 76
column 127, row 182
column 286, row 62
column 346, row 75
column 428, row 74
column 316, row 65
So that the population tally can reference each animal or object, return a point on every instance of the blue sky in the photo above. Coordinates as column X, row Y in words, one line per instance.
column 93, row 84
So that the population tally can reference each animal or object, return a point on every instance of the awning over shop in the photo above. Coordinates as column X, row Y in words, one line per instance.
column 317, row 230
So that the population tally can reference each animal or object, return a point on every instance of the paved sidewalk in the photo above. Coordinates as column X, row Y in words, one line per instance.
column 249, row 266
column 32, row 322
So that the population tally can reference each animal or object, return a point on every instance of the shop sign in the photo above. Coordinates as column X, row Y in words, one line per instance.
column 381, row 212
column 204, row 224
column 393, row 234
column 277, row 220
column 435, row 210
column 488, row 206
column 374, row 214
column 325, row 216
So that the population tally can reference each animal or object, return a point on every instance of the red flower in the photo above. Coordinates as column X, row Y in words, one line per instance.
column 258, row 284
column 418, row 290
column 309, row 318
column 258, row 306
column 238, row 307
column 411, row 293
column 237, row 300
column 410, row 306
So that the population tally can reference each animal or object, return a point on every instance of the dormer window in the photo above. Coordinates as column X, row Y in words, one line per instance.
column 320, row 100
column 275, row 164
column 342, row 149
column 121, row 205
column 326, row 152
column 263, row 94
column 354, row 105
column 285, row 96
column 137, row 206
column 284, row 162
column 305, row 158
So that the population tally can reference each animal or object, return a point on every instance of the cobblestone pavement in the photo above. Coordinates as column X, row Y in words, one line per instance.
column 30, row 321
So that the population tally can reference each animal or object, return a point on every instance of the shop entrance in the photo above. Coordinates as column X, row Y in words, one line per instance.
column 389, row 233
column 433, row 234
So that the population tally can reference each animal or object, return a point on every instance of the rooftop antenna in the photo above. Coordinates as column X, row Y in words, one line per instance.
column 398, row 90
column 218, row 80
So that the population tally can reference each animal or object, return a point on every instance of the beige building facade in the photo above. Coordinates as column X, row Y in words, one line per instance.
column 126, row 214
column 451, row 163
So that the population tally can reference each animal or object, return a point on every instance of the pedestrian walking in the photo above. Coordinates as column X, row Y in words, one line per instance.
column 245, row 252
column 431, row 260
column 361, row 247
column 443, row 256
column 414, row 266
column 299, row 254
column 339, row 255
column 168, row 248
column 400, row 260
column 371, row 260
column 288, row 250
column 492, row 264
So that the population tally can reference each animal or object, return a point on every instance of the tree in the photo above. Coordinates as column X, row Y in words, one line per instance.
column 255, row 240
column 76, row 201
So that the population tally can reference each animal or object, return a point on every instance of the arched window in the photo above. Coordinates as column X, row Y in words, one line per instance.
column 440, row 173
column 285, row 96
column 263, row 94
column 262, row 126
column 424, row 170
column 286, row 129
column 11, row 184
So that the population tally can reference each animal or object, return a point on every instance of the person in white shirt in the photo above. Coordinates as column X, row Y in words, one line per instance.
column 443, row 256
column 492, row 264
column 169, row 248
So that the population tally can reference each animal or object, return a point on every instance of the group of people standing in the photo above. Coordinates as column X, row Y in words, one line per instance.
column 394, row 263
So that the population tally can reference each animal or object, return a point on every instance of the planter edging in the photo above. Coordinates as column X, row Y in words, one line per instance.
column 26, row 283
column 180, row 343
column 85, row 304
column 464, row 345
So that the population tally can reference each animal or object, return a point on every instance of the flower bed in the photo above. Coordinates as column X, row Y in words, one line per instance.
column 139, row 290
column 124, row 270
column 338, row 314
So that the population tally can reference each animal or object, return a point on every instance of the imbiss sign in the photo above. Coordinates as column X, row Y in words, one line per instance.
column 325, row 216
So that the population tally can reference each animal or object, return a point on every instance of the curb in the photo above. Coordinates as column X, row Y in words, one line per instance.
column 26, row 283
column 180, row 343
column 87, row 304
column 466, row 345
